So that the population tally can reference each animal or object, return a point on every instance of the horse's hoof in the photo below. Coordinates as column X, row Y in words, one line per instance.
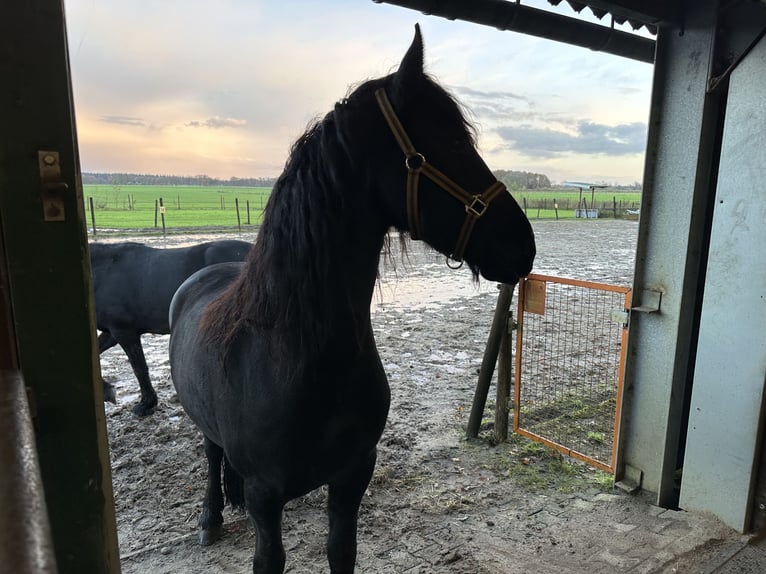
column 110, row 395
column 141, row 410
column 210, row 535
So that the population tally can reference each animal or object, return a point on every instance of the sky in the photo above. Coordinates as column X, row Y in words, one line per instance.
column 223, row 87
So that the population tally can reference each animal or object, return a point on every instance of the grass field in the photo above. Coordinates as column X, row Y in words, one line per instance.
column 136, row 206
column 133, row 206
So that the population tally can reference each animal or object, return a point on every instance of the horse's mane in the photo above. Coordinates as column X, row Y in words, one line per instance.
column 278, row 291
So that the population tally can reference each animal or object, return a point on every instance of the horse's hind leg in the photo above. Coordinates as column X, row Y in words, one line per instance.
column 344, row 497
column 131, row 344
column 265, row 508
column 106, row 341
column 211, row 519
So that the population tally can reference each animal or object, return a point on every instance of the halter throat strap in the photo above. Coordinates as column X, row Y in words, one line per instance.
column 475, row 205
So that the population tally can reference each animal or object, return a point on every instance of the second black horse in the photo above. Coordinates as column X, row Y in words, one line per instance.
column 133, row 285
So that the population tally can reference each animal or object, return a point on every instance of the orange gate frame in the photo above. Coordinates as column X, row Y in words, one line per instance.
column 532, row 299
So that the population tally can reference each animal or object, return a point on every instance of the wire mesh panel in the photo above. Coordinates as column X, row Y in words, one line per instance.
column 569, row 365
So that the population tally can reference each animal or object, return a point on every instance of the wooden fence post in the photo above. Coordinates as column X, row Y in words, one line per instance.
column 504, row 379
column 499, row 322
column 162, row 214
column 92, row 215
column 239, row 222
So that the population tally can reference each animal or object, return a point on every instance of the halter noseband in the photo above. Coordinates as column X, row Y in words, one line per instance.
column 475, row 205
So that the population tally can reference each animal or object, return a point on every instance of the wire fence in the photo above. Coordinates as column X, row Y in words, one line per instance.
column 569, row 365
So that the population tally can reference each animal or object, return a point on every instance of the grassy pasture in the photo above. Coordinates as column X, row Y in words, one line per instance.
column 133, row 206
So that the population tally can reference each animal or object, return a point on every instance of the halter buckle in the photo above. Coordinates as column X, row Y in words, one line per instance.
column 477, row 207
column 415, row 161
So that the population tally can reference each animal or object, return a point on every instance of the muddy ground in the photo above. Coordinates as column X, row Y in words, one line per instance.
column 437, row 502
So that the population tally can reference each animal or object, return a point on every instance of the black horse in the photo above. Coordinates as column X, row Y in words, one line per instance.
column 133, row 285
column 274, row 359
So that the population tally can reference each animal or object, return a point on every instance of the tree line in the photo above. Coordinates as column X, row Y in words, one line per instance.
column 519, row 180
column 153, row 179
column 513, row 180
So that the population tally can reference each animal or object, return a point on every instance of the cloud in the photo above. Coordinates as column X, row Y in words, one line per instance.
column 495, row 104
column 487, row 94
column 217, row 122
column 587, row 138
column 122, row 120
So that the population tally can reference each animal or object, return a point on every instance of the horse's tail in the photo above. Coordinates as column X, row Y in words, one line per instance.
column 233, row 485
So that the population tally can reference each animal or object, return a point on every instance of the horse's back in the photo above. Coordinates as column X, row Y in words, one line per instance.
column 226, row 250
column 200, row 288
column 134, row 283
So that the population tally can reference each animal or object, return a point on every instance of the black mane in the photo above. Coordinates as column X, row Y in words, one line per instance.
column 296, row 251
column 293, row 282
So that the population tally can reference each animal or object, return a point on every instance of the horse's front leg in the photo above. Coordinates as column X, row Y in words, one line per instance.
column 344, row 497
column 211, row 519
column 265, row 507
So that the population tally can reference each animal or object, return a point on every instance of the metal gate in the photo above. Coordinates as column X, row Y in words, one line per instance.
column 570, row 359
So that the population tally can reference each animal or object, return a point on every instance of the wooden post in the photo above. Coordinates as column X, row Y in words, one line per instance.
column 162, row 214
column 499, row 322
column 239, row 221
column 614, row 206
column 92, row 215
column 524, row 199
column 248, row 211
column 504, row 378
column 156, row 211
column 556, row 208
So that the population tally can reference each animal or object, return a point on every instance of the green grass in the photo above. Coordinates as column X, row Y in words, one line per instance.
column 541, row 204
column 133, row 206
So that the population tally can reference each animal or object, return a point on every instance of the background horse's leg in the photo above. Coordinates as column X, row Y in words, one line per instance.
column 210, row 519
column 130, row 342
column 106, row 341
column 343, row 501
column 265, row 508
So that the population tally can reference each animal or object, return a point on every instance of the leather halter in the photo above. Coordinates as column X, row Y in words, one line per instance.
column 475, row 205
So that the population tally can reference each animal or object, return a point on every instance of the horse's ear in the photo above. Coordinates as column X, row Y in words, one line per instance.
column 411, row 69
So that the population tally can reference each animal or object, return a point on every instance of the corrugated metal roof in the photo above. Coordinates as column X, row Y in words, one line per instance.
column 648, row 14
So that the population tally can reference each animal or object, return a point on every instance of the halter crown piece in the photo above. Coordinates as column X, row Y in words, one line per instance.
column 475, row 205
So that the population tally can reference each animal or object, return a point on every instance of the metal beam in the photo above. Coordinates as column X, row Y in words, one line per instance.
column 679, row 188
column 526, row 20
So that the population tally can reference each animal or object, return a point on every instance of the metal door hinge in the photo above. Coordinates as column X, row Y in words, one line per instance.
column 52, row 189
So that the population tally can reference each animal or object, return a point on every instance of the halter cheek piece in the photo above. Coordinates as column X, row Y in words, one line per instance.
column 475, row 205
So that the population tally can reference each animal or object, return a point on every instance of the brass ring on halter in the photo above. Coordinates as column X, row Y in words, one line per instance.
column 415, row 161
column 450, row 260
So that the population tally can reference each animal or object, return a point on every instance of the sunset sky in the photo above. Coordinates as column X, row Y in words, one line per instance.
column 222, row 88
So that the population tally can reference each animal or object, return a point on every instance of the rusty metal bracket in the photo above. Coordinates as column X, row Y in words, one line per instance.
column 52, row 188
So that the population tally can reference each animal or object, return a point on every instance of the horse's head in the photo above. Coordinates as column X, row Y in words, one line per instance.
column 452, row 200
